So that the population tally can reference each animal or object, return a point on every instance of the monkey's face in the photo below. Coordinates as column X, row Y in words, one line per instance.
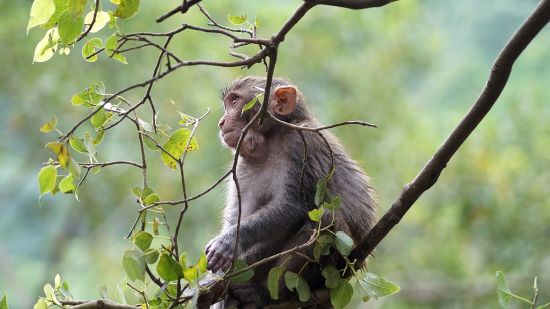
column 233, row 120
column 282, row 102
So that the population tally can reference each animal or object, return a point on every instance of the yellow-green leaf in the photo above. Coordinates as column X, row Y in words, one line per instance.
column 175, row 146
column 237, row 19
column 78, row 144
column 4, row 302
column 41, row 304
column 60, row 7
column 49, row 125
column 101, row 19
column 111, row 46
column 41, row 11
column 127, row 8
column 90, row 49
column 47, row 178
column 47, row 46
column 202, row 263
column 66, row 185
column 61, row 152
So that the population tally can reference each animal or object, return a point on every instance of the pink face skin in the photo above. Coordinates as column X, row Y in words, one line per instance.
column 254, row 146
column 232, row 123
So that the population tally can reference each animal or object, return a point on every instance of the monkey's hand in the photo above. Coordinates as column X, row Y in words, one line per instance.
column 219, row 252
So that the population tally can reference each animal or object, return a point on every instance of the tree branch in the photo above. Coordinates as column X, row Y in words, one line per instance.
column 431, row 171
column 352, row 4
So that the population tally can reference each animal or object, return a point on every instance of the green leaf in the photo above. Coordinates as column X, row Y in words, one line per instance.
column 78, row 144
column 47, row 178
column 291, row 280
column 343, row 243
column 340, row 296
column 111, row 46
column 49, row 125
column 503, row 291
column 322, row 246
column 332, row 276
column 99, row 137
column 191, row 273
column 296, row 282
column 101, row 19
column 244, row 277
column 176, row 146
column 168, row 268
column 91, row 96
column 143, row 240
column 320, row 192
column 333, row 204
column 70, row 26
column 202, row 263
column 60, row 7
column 185, row 120
column 127, row 8
column 379, row 285
column 41, row 304
column 100, row 118
column 4, row 302
column 90, row 48
column 61, row 152
column 66, row 185
column 304, row 292
column 273, row 281
column 133, row 262
column 47, row 46
column 237, row 19
column 151, row 198
column 151, row 256
column 41, row 11
column 251, row 103
column 316, row 214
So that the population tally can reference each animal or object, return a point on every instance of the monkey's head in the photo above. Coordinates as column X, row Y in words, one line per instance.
column 285, row 102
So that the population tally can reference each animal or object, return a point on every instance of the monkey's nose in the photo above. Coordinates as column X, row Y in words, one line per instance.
column 221, row 122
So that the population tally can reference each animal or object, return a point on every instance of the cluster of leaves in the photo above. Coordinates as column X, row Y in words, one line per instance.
column 240, row 20
column 505, row 295
column 342, row 287
column 66, row 24
column 170, row 145
column 54, row 295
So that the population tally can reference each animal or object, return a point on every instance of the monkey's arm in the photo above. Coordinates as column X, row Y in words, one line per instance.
column 269, row 226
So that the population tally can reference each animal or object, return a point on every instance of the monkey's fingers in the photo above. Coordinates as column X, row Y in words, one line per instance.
column 212, row 259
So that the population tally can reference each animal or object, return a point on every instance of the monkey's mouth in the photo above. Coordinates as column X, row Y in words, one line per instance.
column 228, row 138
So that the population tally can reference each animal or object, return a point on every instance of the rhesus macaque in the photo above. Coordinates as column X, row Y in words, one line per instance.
column 277, row 190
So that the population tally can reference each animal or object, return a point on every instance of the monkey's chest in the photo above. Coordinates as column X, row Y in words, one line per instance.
column 260, row 188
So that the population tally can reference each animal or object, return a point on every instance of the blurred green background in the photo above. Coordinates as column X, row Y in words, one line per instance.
column 413, row 68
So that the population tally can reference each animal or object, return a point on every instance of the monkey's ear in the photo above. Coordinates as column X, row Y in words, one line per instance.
column 284, row 100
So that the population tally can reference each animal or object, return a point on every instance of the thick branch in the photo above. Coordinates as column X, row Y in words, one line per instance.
column 97, row 304
column 352, row 4
column 492, row 90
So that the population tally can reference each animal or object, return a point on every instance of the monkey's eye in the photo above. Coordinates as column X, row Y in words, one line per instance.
column 234, row 102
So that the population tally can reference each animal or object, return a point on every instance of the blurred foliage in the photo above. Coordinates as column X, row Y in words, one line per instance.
column 413, row 68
